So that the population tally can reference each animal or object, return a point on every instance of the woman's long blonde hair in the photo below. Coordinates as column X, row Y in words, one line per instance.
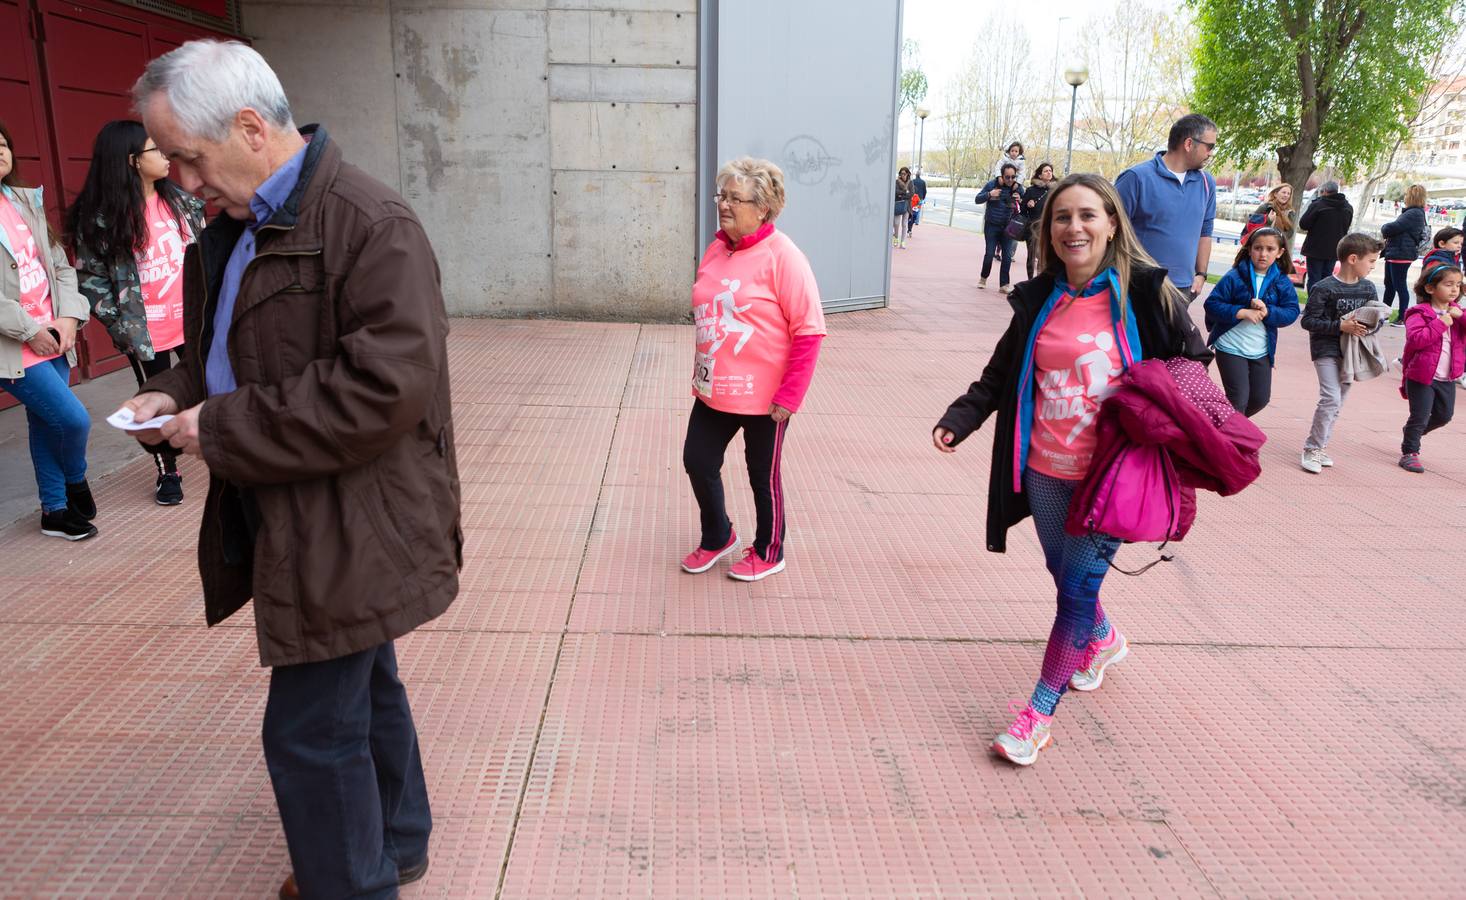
column 1282, row 213
column 1124, row 253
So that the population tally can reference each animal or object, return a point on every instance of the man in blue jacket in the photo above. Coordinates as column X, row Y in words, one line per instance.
column 1001, row 196
column 1172, row 203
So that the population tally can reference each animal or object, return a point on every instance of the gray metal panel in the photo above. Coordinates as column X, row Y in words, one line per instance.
column 811, row 84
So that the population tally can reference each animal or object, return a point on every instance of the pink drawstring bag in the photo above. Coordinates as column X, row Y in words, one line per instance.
column 1138, row 498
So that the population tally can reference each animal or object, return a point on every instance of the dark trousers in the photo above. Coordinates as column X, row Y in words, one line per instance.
column 996, row 241
column 1248, row 382
column 1397, row 282
column 343, row 759
column 165, row 455
column 1031, row 260
column 1431, row 406
column 709, row 432
column 1319, row 268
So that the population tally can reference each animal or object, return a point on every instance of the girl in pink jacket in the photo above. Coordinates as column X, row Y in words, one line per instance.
column 1435, row 356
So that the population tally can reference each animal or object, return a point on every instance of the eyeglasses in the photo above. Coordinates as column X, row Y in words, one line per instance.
column 1210, row 146
column 151, row 150
column 719, row 199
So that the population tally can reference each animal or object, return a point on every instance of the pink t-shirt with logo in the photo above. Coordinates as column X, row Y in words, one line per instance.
column 1074, row 360
column 160, row 271
column 748, row 306
column 35, row 286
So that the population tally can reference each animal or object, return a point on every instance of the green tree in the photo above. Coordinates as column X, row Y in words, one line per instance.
column 913, row 79
column 1314, row 80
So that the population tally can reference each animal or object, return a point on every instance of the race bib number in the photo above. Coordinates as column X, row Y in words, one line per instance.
column 702, row 374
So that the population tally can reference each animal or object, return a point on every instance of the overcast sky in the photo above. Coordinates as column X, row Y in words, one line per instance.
column 948, row 30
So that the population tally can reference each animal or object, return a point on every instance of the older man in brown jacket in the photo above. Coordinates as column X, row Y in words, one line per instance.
column 315, row 388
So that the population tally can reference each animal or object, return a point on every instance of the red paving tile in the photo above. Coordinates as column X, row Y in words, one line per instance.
column 597, row 723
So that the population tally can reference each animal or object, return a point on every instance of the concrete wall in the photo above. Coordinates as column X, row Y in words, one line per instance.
column 548, row 145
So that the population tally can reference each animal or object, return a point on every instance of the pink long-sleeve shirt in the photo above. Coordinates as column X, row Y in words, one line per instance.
column 757, row 310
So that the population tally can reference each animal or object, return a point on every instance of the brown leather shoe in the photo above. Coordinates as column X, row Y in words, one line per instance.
column 290, row 891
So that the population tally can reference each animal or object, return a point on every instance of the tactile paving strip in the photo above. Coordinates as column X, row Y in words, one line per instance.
column 1285, row 726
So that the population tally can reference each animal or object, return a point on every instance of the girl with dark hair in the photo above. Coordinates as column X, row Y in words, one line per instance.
column 1243, row 314
column 1099, row 304
column 40, row 313
column 128, row 228
column 1012, row 155
column 1435, row 356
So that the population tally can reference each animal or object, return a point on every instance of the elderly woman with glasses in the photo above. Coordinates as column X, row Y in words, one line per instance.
column 759, row 327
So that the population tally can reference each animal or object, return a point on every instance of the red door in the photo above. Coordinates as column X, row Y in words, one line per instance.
column 65, row 70
column 90, row 60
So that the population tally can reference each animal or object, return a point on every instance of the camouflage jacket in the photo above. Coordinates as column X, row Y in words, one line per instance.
column 114, row 290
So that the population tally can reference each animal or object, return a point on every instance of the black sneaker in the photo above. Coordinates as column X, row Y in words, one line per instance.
column 66, row 523
column 79, row 500
column 170, row 489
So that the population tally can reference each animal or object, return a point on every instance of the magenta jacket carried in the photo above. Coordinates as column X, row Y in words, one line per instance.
column 1174, row 404
column 1424, row 330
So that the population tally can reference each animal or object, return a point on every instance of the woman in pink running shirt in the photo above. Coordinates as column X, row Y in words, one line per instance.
column 40, row 313
column 128, row 228
column 757, row 311
column 1098, row 305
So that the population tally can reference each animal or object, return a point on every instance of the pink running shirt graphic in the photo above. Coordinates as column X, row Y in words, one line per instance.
column 1075, row 360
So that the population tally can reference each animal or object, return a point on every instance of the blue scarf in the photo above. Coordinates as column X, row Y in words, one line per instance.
column 1128, row 342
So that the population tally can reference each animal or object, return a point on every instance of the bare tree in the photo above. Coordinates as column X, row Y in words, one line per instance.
column 959, row 133
column 1138, row 76
column 1002, row 76
column 986, row 105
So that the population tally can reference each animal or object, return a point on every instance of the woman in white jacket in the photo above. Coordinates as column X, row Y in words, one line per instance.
column 40, row 313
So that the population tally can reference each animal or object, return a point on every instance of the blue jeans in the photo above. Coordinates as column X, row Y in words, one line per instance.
column 1397, row 281
column 59, row 426
column 344, row 762
column 996, row 239
column 1078, row 565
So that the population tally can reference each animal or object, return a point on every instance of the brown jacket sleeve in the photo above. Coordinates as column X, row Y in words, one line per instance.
column 346, row 410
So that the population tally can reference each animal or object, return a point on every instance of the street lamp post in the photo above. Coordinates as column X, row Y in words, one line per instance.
column 921, row 113
column 1054, row 101
column 1075, row 77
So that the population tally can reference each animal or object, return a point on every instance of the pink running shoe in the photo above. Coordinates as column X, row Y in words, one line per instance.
column 701, row 560
column 1028, row 734
column 752, row 568
column 1097, row 658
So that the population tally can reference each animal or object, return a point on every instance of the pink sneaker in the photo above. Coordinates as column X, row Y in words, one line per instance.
column 701, row 560
column 1028, row 734
column 1097, row 658
column 752, row 568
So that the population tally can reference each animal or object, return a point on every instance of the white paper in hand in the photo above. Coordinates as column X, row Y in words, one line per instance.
column 125, row 420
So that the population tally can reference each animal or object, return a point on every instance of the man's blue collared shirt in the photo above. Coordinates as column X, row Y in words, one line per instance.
column 1170, row 215
column 218, row 373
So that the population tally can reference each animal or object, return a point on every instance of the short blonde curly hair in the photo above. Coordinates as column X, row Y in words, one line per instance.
column 764, row 179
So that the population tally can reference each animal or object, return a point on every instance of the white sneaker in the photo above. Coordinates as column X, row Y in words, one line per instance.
column 1312, row 461
column 982, row 284
column 1028, row 734
column 1092, row 674
column 1324, row 459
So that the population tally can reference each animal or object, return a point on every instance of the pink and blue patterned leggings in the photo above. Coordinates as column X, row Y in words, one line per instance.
column 1078, row 565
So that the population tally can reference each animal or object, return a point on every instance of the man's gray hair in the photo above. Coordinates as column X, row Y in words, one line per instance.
column 1329, row 187
column 208, row 82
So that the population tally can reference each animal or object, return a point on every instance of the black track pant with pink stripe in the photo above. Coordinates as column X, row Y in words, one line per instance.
column 708, row 435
